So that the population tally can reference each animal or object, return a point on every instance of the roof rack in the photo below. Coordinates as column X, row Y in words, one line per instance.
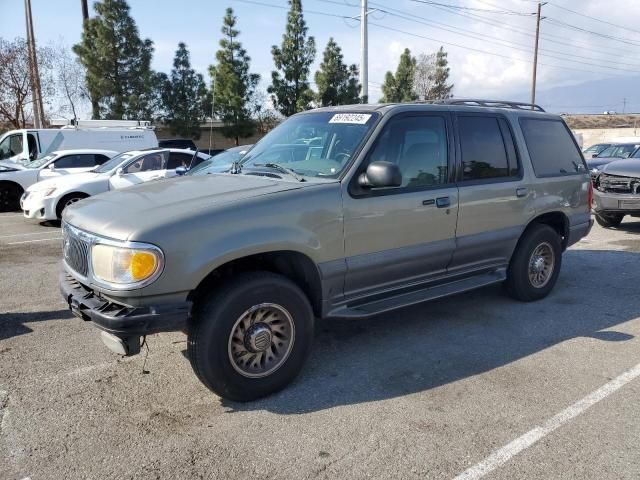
column 128, row 124
column 490, row 103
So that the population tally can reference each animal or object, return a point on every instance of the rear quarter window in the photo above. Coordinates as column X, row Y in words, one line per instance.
column 551, row 148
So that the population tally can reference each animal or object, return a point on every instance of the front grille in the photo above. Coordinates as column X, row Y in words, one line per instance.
column 75, row 250
column 617, row 184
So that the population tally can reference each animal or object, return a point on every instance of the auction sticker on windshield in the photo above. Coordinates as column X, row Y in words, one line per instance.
column 357, row 118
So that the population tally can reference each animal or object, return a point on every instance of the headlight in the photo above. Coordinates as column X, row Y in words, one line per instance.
column 126, row 266
column 594, row 170
column 49, row 191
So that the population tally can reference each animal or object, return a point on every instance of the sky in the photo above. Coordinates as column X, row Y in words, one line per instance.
column 489, row 42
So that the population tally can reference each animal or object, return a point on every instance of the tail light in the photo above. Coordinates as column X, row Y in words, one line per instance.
column 590, row 195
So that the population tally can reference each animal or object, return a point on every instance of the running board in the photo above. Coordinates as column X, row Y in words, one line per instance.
column 414, row 297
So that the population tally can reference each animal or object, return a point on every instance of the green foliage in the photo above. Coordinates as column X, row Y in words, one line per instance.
column 184, row 96
column 399, row 87
column 233, row 85
column 440, row 89
column 118, row 62
column 289, row 89
column 337, row 83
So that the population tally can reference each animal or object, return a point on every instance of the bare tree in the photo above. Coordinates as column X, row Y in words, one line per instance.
column 69, row 82
column 263, row 112
column 16, row 100
column 424, row 75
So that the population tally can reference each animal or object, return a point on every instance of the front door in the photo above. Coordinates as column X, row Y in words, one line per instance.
column 403, row 235
column 148, row 167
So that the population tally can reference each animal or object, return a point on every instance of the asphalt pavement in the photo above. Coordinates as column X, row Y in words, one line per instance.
column 473, row 386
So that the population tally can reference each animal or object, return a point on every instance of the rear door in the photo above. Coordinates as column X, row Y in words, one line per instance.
column 495, row 200
column 143, row 169
column 403, row 235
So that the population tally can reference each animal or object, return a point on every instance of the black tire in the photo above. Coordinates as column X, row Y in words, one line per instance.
column 519, row 283
column 215, row 317
column 10, row 194
column 610, row 220
column 67, row 200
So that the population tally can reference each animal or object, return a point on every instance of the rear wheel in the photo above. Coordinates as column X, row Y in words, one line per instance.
column 609, row 220
column 68, row 200
column 10, row 194
column 535, row 265
column 251, row 337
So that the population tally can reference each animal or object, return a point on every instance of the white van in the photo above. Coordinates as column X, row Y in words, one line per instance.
column 26, row 145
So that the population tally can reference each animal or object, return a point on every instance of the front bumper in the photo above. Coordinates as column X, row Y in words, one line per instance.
column 38, row 208
column 121, row 320
column 626, row 203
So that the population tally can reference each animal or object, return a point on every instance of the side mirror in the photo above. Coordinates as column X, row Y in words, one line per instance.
column 52, row 167
column 181, row 170
column 594, row 155
column 120, row 172
column 380, row 175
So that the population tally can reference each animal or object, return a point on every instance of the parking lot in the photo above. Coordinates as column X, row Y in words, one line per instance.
column 476, row 385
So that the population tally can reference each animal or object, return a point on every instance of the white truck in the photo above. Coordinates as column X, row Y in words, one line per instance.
column 25, row 145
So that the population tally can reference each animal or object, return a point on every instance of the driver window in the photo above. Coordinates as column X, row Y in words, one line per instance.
column 418, row 145
column 11, row 146
column 33, row 146
column 152, row 161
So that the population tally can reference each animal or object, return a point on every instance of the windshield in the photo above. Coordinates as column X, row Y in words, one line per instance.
column 318, row 144
column 40, row 161
column 114, row 162
column 618, row 150
column 221, row 162
column 635, row 154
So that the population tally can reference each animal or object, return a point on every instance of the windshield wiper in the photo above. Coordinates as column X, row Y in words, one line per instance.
column 283, row 169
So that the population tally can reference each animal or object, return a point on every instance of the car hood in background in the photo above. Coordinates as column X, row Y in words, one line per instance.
column 9, row 166
column 598, row 162
column 629, row 167
column 120, row 214
column 65, row 181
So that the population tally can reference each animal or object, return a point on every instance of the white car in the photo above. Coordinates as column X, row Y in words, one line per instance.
column 46, row 200
column 15, row 178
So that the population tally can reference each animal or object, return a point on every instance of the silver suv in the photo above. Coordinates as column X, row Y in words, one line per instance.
column 338, row 212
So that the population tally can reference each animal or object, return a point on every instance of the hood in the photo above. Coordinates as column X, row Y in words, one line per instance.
column 629, row 167
column 600, row 161
column 120, row 214
column 65, row 181
column 9, row 166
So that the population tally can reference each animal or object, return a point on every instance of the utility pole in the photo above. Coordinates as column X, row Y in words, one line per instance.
column 85, row 10
column 624, row 105
column 535, row 56
column 364, row 51
column 36, row 92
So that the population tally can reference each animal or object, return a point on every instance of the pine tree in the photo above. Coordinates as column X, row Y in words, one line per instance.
column 399, row 87
column 289, row 89
column 440, row 89
column 337, row 83
column 118, row 62
column 233, row 84
column 184, row 97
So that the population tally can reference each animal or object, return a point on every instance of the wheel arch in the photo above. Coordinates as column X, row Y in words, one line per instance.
column 12, row 183
column 556, row 220
column 294, row 265
column 61, row 200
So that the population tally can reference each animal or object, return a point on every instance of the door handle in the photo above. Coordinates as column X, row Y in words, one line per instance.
column 522, row 192
column 430, row 201
column 443, row 202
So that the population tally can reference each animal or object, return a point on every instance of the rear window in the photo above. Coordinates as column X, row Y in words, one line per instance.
column 551, row 148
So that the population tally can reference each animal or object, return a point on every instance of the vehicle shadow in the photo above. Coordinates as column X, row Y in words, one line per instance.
column 13, row 324
column 433, row 344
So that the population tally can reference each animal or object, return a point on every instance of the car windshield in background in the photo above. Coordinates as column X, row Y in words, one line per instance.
column 221, row 162
column 318, row 144
column 635, row 154
column 40, row 161
column 618, row 150
column 114, row 162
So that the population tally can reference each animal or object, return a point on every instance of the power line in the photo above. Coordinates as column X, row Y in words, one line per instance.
column 282, row 7
column 592, row 18
column 506, row 43
column 471, row 9
column 591, row 32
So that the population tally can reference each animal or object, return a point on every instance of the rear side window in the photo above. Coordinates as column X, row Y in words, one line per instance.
column 551, row 148
column 100, row 159
column 485, row 154
column 76, row 161
column 178, row 159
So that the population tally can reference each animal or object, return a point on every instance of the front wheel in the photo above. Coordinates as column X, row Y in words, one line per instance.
column 67, row 201
column 609, row 221
column 10, row 197
column 535, row 265
column 251, row 337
